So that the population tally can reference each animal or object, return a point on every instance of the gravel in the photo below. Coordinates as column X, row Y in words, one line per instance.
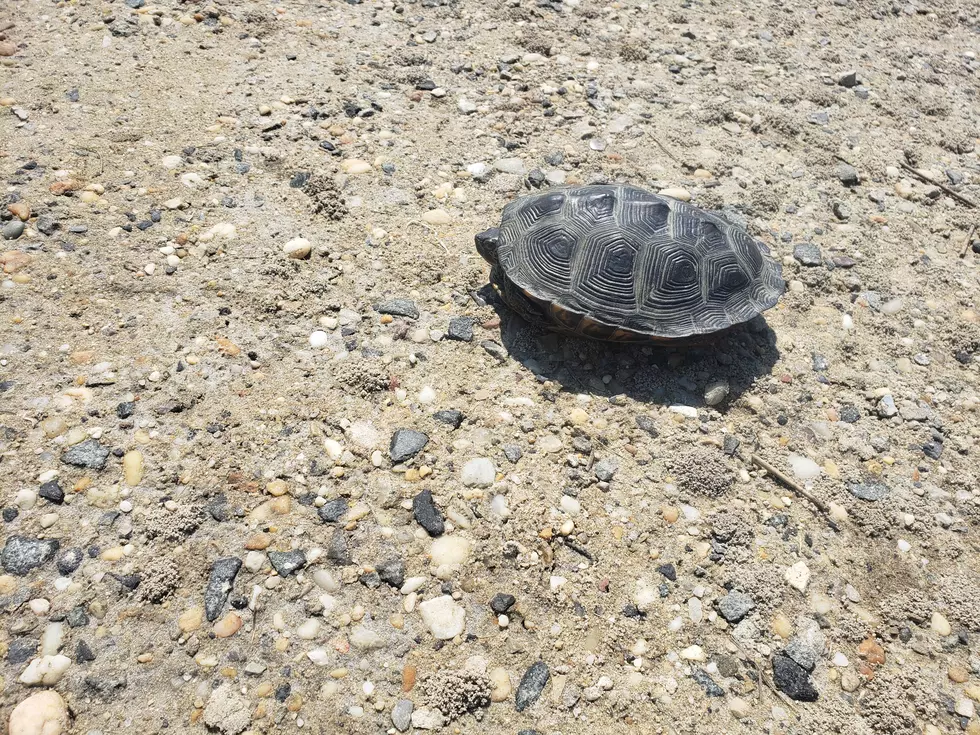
column 220, row 584
column 22, row 555
column 89, row 454
column 427, row 514
column 532, row 685
column 406, row 443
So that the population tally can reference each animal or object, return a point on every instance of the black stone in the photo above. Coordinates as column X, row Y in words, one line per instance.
column 647, row 424
column 808, row 254
column 707, row 683
column 89, row 454
column 451, row 417
column 849, row 414
column 52, row 492
column 125, row 409
column 848, row 175
column 287, row 562
column 299, row 179
column 21, row 555
column 220, row 583
column 502, row 602
column 536, row 178
column 69, row 560
column 333, row 510
column 399, row 307
column 406, row 443
column 427, row 514
column 129, row 581
column 9, row 514
column 47, row 226
column 83, row 653
column 460, row 328
column 532, row 684
column 730, row 445
column 792, row 679
column 21, row 650
column 933, row 450
column 668, row 571
column 391, row 571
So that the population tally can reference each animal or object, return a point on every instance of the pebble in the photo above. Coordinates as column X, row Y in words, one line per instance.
column 44, row 713
column 427, row 514
column 606, row 468
column 406, row 443
column 89, row 454
column 287, row 562
column 449, row 551
column 220, row 583
column 401, row 715
column 333, row 510
column 549, row 444
column 940, row 624
column 870, row 491
column 676, row 192
column 450, row 417
column 391, row 571
column 437, row 217
column 847, row 174
column 46, row 670
column 319, row 339
column 735, row 606
column 355, row 166
column 460, row 329
column 12, row 230
column 808, row 254
column 426, row 718
column 399, row 307
column 227, row 710
column 227, row 626
column 791, row 679
column 478, row 472
column 443, row 617
column 513, row 166
column 298, row 248
column 716, row 392
column 21, row 555
column 532, row 684
column 798, row 576
column 804, row 467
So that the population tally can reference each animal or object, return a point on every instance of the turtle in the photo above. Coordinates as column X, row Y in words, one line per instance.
column 622, row 264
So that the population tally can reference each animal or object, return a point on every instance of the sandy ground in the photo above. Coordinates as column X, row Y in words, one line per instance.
column 235, row 239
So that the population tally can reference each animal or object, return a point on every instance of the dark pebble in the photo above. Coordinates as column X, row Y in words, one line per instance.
column 21, row 554
column 399, row 307
column 849, row 414
column 52, row 492
column 668, row 571
column 21, row 650
column 647, row 424
column 870, row 491
column 819, row 362
column 337, row 549
column 220, row 583
column 129, row 581
column 12, row 230
column 502, row 602
column 532, row 684
column 287, row 562
column 808, row 254
column 9, row 514
column 847, row 174
column 391, row 571
column 333, row 510
column 83, row 653
column 933, row 450
column 707, row 683
column 495, row 350
column 371, row 580
column 791, row 679
column 69, row 560
column 427, row 514
column 299, row 179
column 512, row 452
column 76, row 617
column 451, row 417
column 460, row 328
column 125, row 409
column 406, row 443
column 730, row 445
column 46, row 225
column 89, row 454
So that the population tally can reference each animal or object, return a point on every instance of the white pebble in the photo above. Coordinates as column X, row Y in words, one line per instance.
column 443, row 617
column 318, row 339
column 479, row 472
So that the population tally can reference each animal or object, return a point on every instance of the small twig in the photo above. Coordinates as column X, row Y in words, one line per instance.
column 433, row 233
column 674, row 158
column 969, row 239
column 922, row 177
column 791, row 484
column 588, row 467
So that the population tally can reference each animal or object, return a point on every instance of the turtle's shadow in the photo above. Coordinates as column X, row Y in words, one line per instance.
column 648, row 373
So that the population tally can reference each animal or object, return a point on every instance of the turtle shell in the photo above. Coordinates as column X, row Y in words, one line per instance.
column 617, row 262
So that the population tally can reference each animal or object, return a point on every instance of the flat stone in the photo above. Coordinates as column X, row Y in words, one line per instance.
column 89, row 454
column 870, row 491
column 21, row 555
column 848, row 175
column 12, row 230
column 532, row 684
column 735, row 605
column 227, row 710
column 808, row 254
column 426, row 718
column 406, row 443
column 606, row 468
column 478, row 472
column 220, row 583
column 461, row 329
column 401, row 715
column 707, row 683
column 791, row 679
column 443, row 617
column 427, row 514
column 886, row 407
column 333, row 510
column 338, row 550
column 450, row 417
column 52, row 492
column 848, row 79
column 287, row 562
column 399, row 307
column 512, row 452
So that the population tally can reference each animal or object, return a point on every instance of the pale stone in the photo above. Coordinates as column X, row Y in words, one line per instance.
column 46, row 670
column 798, row 576
column 298, row 248
column 366, row 639
column 940, row 624
column 645, row 595
column 443, row 617
column 478, row 472
column 190, row 620
column 676, row 192
column 355, row 166
column 500, row 680
column 44, row 713
column 133, row 467
column 449, row 551
column 436, row 217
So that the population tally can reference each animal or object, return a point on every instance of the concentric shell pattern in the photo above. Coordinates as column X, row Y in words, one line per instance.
column 637, row 261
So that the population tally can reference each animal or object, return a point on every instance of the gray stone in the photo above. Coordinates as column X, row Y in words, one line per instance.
column 808, row 254
column 69, row 560
column 532, row 684
column 848, row 175
column 400, row 307
column 451, row 417
column 502, row 602
column 915, row 412
column 427, row 514
column 570, row 695
column 21, row 650
column 52, row 492
column 848, row 79
column 512, row 452
column 89, row 454
column 606, row 468
column 21, row 555
column 461, row 328
column 495, row 350
column 337, row 549
column 287, row 562
column 333, row 510
column 870, row 491
column 886, row 407
column 401, row 715
column 406, row 443
column 707, row 683
column 46, row 225
column 735, row 605
column 220, row 583
column 391, row 571
column 791, row 679
column 12, row 230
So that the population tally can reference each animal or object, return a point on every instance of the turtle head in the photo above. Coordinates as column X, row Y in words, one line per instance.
column 486, row 244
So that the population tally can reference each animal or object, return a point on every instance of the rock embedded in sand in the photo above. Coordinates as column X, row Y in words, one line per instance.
column 44, row 713
column 443, row 617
